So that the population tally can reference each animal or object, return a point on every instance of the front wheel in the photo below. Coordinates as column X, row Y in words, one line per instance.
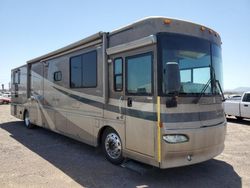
column 27, row 122
column 112, row 146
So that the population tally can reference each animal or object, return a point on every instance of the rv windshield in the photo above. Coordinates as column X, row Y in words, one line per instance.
column 195, row 62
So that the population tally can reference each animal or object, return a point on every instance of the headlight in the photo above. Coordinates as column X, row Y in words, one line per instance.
column 175, row 138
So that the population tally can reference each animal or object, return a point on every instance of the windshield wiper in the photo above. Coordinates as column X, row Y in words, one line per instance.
column 219, row 86
column 213, row 84
column 217, row 82
column 203, row 90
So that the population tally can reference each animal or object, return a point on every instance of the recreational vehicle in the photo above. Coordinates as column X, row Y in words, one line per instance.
column 149, row 91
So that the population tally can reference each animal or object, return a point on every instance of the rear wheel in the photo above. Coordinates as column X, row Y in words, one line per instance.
column 112, row 146
column 239, row 118
column 27, row 122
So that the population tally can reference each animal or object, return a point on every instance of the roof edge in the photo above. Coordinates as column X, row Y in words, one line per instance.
column 68, row 47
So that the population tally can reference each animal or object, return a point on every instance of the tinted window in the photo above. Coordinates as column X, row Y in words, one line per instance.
column 217, row 63
column 76, row 71
column 185, row 75
column 139, row 74
column 118, row 78
column 89, row 69
column 19, row 75
column 194, row 59
column 84, row 70
column 246, row 97
column 16, row 77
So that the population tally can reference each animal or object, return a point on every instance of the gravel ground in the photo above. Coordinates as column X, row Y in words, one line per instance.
column 41, row 158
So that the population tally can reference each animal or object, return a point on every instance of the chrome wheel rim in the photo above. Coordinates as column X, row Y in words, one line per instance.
column 27, row 119
column 113, row 145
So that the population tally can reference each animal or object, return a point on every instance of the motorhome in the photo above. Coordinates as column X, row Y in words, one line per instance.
column 149, row 91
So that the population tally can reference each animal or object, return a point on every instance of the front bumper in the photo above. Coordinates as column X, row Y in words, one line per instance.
column 203, row 144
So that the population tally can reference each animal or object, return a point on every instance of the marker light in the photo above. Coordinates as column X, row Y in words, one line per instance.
column 167, row 21
column 202, row 28
column 175, row 138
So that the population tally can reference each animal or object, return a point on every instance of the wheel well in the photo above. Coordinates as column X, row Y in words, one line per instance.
column 101, row 131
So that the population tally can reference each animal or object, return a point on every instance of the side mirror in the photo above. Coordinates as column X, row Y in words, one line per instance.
column 172, row 78
column 172, row 82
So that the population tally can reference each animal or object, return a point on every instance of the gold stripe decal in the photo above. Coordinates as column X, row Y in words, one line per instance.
column 159, row 127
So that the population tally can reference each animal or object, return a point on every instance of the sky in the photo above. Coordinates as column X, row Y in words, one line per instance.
column 30, row 28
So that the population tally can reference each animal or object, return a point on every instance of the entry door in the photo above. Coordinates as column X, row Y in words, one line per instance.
column 140, row 123
column 49, row 95
column 36, row 87
column 116, row 103
column 245, row 106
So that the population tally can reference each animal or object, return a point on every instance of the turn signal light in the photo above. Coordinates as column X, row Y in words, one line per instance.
column 202, row 28
column 167, row 21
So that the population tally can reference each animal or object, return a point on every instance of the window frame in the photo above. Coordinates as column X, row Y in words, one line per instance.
column 116, row 75
column 96, row 70
column 152, row 74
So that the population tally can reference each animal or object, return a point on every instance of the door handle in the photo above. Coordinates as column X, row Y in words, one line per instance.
column 245, row 105
column 129, row 102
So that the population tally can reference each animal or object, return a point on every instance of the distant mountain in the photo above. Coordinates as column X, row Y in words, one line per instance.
column 238, row 90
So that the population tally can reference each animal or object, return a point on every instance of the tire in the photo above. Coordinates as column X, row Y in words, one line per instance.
column 112, row 146
column 239, row 118
column 27, row 122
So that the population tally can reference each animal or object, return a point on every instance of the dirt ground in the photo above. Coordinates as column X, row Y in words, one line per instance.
column 41, row 158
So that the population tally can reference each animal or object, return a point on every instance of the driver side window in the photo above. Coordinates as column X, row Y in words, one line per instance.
column 139, row 74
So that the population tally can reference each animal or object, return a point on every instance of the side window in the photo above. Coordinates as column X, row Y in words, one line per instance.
column 89, row 69
column 76, row 72
column 19, row 75
column 246, row 97
column 16, row 77
column 58, row 76
column 83, row 70
column 139, row 74
column 118, row 74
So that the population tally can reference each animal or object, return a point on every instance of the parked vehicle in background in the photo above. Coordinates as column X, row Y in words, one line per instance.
column 238, row 106
column 7, row 95
column 4, row 100
column 234, row 97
